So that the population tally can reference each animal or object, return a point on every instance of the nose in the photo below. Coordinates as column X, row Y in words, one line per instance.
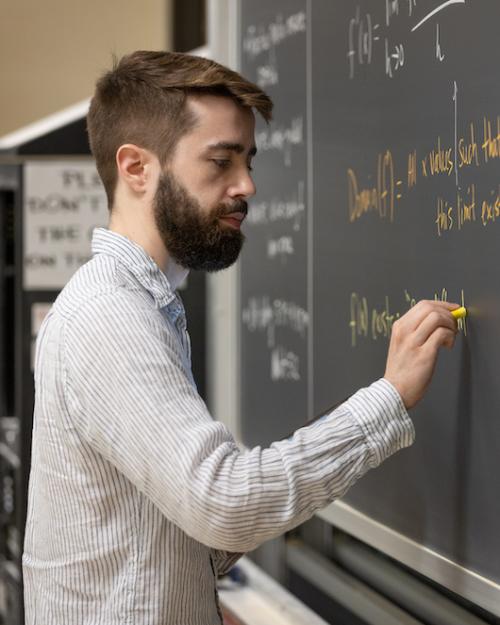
column 243, row 186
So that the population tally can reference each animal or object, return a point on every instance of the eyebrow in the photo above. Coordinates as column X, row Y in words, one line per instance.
column 234, row 147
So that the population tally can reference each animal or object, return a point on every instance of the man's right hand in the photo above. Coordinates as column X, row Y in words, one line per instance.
column 415, row 340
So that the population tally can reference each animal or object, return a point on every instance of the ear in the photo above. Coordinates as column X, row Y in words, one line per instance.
column 136, row 167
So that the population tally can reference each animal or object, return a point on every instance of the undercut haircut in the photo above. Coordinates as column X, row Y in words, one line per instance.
column 142, row 100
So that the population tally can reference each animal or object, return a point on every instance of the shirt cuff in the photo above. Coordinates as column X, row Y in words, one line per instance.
column 380, row 413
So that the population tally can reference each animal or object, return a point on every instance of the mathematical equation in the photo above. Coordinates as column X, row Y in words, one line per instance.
column 288, row 214
column 281, row 138
column 279, row 320
column 370, row 38
column 264, row 39
column 368, row 321
column 478, row 147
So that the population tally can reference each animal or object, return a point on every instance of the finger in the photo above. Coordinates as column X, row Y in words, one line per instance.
column 414, row 317
column 450, row 343
column 435, row 319
column 441, row 337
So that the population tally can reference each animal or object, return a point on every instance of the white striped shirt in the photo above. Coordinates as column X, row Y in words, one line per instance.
column 138, row 499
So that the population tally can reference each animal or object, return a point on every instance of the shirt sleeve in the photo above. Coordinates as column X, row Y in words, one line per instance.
column 131, row 399
column 225, row 560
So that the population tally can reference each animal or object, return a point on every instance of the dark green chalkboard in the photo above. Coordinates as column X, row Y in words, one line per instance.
column 387, row 129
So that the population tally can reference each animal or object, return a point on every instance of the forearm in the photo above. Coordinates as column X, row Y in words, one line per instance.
column 241, row 499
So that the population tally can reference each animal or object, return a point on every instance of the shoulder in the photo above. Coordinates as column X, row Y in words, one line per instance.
column 103, row 298
column 101, row 284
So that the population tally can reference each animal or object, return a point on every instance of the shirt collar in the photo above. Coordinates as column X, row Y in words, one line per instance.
column 140, row 264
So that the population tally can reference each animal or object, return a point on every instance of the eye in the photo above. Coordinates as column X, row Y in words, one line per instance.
column 222, row 163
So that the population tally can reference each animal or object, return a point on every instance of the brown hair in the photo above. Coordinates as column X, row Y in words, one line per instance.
column 142, row 101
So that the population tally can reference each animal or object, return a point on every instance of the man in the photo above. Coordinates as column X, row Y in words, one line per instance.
column 138, row 499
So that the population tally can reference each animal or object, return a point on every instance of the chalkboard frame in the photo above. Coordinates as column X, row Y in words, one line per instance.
column 420, row 558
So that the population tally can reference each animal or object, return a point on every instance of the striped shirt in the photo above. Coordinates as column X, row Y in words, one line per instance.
column 138, row 498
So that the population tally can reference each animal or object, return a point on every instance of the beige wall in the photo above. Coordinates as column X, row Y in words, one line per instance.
column 51, row 51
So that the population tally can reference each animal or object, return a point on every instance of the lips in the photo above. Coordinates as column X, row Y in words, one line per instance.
column 234, row 219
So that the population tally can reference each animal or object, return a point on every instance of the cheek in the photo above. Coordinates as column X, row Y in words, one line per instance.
column 205, row 184
column 210, row 196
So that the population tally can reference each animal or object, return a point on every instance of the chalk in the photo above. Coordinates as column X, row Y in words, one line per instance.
column 459, row 313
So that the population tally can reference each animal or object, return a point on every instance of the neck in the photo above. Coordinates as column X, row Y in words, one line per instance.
column 149, row 239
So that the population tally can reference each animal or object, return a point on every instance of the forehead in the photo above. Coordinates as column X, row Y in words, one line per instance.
column 219, row 119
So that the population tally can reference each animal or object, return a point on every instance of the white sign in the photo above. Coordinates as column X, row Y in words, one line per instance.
column 63, row 202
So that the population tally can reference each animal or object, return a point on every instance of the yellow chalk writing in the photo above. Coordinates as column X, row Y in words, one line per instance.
column 379, row 198
column 373, row 322
column 491, row 142
column 490, row 209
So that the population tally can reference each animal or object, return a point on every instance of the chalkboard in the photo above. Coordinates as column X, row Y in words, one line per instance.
column 378, row 184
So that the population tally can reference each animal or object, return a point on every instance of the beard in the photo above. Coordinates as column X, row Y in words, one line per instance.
column 195, row 238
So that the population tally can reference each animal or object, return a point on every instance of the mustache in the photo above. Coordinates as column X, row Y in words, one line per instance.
column 240, row 206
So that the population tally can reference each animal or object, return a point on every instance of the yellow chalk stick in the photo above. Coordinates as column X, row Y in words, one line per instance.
column 459, row 313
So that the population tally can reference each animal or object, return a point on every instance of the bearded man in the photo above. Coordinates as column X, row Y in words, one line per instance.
column 138, row 498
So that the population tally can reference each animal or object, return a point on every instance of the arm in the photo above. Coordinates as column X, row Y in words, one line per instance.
column 131, row 399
